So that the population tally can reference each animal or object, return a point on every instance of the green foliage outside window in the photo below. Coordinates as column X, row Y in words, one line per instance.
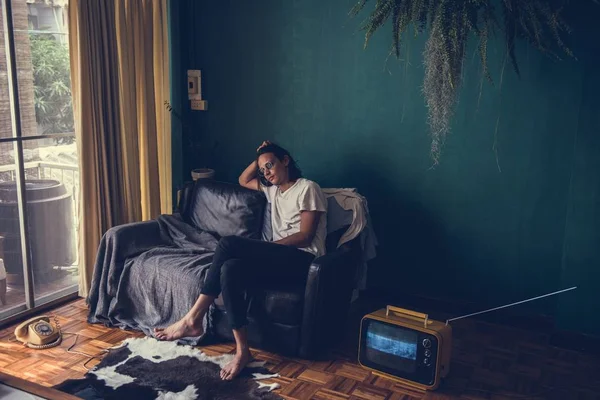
column 51, row 84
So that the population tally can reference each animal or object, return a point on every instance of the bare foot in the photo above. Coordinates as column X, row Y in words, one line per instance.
column 235, row 366
column 185, row 327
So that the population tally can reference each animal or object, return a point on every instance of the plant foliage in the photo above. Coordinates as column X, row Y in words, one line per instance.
column 449, row 24
column 51, row 84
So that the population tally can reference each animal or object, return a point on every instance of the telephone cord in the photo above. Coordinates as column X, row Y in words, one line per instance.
column 91, row 357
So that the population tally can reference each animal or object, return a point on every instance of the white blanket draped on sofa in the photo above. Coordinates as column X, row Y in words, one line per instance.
column 347, row 207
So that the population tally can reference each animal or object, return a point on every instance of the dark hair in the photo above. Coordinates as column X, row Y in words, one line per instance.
column 294, row 172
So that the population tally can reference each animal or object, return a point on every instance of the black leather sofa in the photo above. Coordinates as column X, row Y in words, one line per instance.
column 301, row 320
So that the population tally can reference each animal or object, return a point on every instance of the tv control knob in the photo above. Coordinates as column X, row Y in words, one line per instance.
column 427, row 362
column 427, row 353
column 426, row 343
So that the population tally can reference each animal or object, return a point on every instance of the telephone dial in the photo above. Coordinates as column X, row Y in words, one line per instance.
column 39, row 333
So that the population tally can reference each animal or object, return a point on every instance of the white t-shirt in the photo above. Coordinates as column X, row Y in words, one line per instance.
column 304, row 195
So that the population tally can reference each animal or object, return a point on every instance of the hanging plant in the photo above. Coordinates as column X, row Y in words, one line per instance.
column 449, row 24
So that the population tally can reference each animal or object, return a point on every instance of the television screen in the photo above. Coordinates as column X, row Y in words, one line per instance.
column 391, row 346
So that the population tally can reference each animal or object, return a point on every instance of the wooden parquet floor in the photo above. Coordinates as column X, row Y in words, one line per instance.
column 489, row 362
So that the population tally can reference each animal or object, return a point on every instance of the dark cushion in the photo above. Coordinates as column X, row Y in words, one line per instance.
column 275, row 306
column 281, row 306
column 226, row 209
column 333, row 238
column 278, row 338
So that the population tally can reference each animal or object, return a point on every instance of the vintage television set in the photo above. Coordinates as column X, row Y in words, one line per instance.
column 406, row 346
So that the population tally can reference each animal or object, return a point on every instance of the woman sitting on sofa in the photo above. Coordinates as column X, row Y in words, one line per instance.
column 298, row 208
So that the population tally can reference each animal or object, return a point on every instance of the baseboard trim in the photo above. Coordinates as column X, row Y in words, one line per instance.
column 575, row 341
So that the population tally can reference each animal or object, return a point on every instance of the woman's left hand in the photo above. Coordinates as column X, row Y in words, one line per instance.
column 265, row 143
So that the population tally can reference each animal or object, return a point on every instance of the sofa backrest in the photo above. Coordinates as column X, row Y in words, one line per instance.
column 224, row 209
column 227, row 209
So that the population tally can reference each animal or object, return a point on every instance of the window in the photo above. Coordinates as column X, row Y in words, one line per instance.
column 38, row 157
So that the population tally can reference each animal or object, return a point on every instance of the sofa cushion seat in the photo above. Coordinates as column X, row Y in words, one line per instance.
column 282, row 306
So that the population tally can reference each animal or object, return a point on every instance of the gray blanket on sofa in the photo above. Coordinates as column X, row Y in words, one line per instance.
column 149, row 274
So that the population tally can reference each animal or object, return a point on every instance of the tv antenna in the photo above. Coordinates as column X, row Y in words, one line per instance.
column 510, row 305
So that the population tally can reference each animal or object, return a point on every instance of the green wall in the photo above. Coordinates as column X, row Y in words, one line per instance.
column 484, row 227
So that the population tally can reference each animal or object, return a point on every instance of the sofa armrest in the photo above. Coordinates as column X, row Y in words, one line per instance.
column 326, row 299
column 134, row 238
column 117, row 244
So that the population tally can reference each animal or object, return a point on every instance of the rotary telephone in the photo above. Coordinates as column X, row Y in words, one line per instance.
column 39, row 333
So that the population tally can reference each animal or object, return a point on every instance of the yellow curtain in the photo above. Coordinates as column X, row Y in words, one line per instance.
column 162, row 92
column 119, row 69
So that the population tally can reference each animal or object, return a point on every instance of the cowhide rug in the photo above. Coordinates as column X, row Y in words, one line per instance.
column 150, row 369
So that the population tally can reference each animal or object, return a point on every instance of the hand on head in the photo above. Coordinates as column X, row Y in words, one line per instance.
column 265, row 143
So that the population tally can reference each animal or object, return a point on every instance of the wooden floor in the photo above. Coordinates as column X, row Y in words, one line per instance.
column 489, row 362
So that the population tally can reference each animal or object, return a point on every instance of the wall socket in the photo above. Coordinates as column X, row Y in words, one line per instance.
column 199, row 105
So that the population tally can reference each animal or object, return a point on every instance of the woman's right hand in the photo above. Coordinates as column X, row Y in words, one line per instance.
column 265, row 143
